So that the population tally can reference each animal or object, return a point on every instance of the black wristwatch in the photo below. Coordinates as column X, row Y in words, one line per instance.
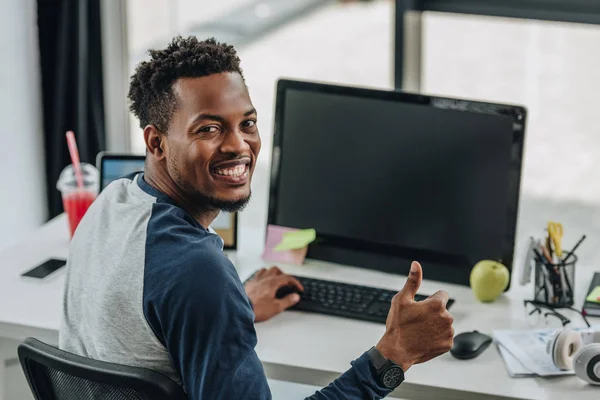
column 389, row 374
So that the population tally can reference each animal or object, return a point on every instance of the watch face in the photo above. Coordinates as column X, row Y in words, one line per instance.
column 393, row 377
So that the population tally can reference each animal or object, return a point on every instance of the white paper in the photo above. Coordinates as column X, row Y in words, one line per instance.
column 514, row 368
column 528, row 347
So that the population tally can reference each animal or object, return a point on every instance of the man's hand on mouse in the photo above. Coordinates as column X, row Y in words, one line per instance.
column 416, row 331
column 262, row 289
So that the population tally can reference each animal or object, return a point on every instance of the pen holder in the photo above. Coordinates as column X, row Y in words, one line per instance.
column 554, row 282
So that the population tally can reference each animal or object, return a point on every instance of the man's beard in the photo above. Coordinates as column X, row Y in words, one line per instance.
column 229, row 206
column 201, row 200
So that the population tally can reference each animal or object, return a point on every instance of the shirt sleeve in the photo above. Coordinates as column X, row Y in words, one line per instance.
column 198, row 309
column 357, row 383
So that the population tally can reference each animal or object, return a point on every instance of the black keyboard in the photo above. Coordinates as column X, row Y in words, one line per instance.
column 344, row 300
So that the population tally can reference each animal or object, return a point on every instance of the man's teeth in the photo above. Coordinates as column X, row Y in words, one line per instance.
column 238, row 170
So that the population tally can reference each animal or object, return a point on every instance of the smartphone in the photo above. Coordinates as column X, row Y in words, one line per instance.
column 45, row 268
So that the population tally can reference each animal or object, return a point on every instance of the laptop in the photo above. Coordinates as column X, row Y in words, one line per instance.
column 112, row 166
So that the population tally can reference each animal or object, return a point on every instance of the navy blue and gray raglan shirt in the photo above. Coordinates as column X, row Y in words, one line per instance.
column 148, row 286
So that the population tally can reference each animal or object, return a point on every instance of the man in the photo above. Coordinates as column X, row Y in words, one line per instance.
column 148, row 284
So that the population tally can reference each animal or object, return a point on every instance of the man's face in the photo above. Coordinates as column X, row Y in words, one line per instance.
column 213, row 140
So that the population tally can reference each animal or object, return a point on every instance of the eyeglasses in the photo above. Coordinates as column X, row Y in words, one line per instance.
column 541, row 314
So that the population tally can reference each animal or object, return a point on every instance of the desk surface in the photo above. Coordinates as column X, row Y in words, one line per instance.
column 310, row 348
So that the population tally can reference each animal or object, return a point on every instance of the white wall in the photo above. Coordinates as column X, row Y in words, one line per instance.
column 22, row 183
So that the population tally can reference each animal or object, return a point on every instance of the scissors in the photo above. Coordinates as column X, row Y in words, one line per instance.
column 555, row 232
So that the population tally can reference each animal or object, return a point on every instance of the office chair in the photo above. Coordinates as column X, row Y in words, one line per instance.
column 55, row 374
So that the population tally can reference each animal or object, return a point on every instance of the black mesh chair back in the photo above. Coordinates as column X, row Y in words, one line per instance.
column 55, row 374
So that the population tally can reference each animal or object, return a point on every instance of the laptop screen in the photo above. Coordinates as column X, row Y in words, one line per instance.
column 114, row 168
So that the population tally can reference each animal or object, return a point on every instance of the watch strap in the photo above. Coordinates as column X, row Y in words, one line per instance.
column 378, row 360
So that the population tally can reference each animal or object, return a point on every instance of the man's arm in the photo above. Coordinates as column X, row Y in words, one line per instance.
column 415, row 332
column 357, row 383
column 199, row 311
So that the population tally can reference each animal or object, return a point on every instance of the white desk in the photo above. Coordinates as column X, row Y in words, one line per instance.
column 309, row 348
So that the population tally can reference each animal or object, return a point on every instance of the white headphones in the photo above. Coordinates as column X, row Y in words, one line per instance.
column 578, row 351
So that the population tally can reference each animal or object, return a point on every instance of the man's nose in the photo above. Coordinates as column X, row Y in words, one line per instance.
column 234, row 142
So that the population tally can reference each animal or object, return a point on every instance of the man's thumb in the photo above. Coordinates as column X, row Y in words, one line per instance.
column 413, row 282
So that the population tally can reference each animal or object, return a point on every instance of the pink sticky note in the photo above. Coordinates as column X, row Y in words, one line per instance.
column 274, row 236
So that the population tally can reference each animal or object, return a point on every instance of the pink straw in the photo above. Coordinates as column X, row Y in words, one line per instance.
column 75, row 158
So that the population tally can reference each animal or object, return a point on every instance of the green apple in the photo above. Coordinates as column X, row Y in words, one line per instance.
column 488, row 280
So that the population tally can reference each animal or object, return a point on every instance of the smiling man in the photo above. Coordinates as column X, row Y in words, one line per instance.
column 147, row 282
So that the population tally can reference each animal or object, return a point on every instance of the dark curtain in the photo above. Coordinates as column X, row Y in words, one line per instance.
column 71, row 68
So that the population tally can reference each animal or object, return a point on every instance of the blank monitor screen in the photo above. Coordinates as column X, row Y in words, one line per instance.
column 396, row 175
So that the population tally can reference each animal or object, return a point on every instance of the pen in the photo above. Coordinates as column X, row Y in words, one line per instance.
column 567, row 281
column 557, row 283
column 564, row 265
column 544, row 277
column 574, row 248
column 538, row 256
column 554, row 272
column 546, row 284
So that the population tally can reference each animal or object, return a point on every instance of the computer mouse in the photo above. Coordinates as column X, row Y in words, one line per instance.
column 469, row 345
column 285, row 290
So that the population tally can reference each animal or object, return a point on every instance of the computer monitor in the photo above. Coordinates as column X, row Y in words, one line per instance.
column 113, row 166
column 389, row 177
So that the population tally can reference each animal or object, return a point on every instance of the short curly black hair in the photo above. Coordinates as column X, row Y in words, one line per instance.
column 151, row 95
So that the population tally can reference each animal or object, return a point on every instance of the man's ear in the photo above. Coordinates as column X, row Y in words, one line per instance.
column 155, row 143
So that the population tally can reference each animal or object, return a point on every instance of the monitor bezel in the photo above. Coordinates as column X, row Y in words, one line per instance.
column 375, row 256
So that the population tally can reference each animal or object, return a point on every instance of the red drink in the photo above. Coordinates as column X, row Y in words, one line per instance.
column 76, row 203
column 76, row 200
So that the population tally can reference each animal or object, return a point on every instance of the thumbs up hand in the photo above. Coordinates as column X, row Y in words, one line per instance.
column 416, row 332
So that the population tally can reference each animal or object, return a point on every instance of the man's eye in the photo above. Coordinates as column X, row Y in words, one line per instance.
column 209, row 129
column 249, row 123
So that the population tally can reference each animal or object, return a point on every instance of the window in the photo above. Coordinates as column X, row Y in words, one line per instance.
column 554, row 70
column 334, row 42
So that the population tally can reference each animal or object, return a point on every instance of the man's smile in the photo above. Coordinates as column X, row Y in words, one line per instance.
column 234, row 171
